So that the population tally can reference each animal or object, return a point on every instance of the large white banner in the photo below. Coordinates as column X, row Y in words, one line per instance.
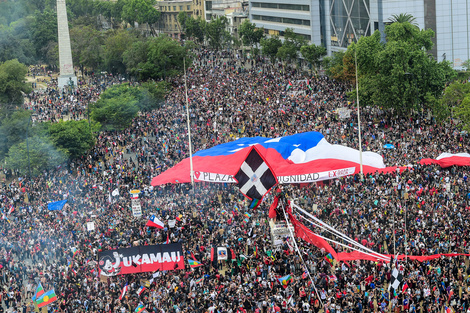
column 291, row 179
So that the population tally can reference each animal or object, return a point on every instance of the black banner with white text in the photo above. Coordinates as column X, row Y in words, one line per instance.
column 141, row 259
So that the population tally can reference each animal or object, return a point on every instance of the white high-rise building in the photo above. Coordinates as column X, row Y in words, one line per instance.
column 336, row 23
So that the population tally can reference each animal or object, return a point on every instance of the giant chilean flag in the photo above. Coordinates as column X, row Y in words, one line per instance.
column 300, row 158
column 449, row 159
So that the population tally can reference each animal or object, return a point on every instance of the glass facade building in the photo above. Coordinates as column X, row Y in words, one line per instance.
column 337, row 23
column 349, row 20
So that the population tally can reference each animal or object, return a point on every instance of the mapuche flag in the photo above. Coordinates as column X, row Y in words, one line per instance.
column 194, row 263
column 285, row 280
column 46, row 299
column 39, row 292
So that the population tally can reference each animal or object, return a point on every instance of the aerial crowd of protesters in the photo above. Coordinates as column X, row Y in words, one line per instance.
column 232, row 96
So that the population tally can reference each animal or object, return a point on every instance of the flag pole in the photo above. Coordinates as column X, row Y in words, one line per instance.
column 358, row 118
column 394, row 239
column 405, row 237
column 191, row 172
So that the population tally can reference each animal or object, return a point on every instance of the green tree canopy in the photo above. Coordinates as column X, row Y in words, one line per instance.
column 13, row 126
column 195, row 29
column 313, row 53
column 183, row 17
column 119, row 104
column 135, row 57
column 157, row 58
column 147, row 96
column 463, row 112
column 140, row 11
column 334, row 65
column 43, row 155
column 44, row 32
column 398, row 74
column 216, row 32
column 12, row 83
column 115, row 113
column 73, row 137
column 116, row 44
column 87, row 47
column 270, row 46
column 249, row 34
column 291, row 45
column 403, row 18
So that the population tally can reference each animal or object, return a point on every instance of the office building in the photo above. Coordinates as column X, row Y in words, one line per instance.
column 336, row 23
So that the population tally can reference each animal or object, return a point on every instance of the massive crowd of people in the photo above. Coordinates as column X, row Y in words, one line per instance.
column 423, row 210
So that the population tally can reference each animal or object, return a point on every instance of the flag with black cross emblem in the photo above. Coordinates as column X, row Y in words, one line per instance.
column 255, row 178
column 396, row 280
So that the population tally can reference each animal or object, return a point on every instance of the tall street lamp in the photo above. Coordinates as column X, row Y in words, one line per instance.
column 27, row 147
column 358, row 119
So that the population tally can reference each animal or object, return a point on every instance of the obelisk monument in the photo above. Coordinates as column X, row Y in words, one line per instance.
column 67, row 74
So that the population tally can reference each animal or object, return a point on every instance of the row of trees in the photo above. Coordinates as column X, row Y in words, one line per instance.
column 34, row 147
column 29, row 34
column 399, row 74
column 28, row 29
column 125, row 51
column 216, row 35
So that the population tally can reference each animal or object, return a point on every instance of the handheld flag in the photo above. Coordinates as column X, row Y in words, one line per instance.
column 46, row 299
column 289, row 85
column 308, row 85
column 192, row 256
column 74, row 251
column 194, row 263
column 123, row 292
column 214, row 257
column 56, row 206
column 140, row 308
column 39, row 292
column 329, row 259
column 155, row 222
column 199, row 280
column 178, row 218
column 222, row 253
column 405, row 286
column 285, row 280
column 254, row 204
column 140, row 290
column 255, row 178
column 397, row 278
